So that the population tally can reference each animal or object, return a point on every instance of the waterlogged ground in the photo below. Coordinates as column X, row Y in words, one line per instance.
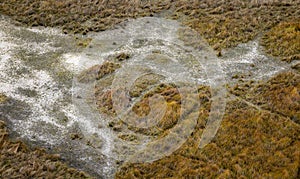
column 52, row 103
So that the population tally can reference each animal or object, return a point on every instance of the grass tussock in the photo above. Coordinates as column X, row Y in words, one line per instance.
column 97, row 71
column 145, row 88
column 3, row 98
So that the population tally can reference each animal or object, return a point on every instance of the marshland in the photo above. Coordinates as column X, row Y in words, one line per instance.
column 149, row 89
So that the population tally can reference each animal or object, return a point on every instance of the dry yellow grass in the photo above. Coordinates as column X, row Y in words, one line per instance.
column 284, row 40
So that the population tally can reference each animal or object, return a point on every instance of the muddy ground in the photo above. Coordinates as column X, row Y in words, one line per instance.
column 259, row 135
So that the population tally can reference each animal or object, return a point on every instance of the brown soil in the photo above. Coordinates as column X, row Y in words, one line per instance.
column 18, row 161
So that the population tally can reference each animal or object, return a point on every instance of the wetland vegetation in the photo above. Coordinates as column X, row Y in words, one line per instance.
column 259, row 133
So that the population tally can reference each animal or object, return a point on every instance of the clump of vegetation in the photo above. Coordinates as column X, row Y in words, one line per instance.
column 18, row 161
column 104, row 102
column 122, row 56
column 3, row 98
column 144, row 88
column 296, row 67
column 98, row 71
column 128, row 137
column 172, row 108
column 172, row 113
column 143, row 83
column 283, row 41
column 83, row 42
